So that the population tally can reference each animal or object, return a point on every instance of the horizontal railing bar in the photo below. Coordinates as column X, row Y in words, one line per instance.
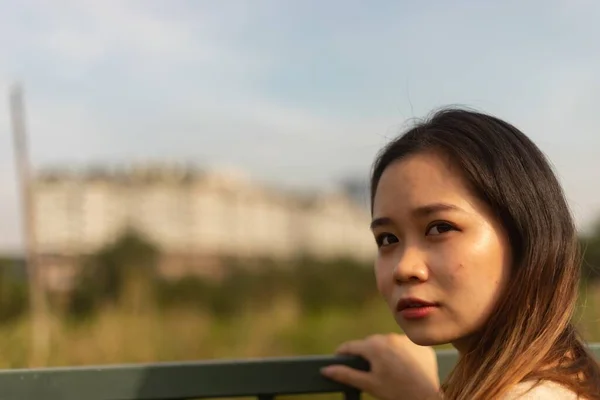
column 177, row 381
column 190, row 380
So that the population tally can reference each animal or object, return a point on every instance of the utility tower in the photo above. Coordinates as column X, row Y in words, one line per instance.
column 38, row 303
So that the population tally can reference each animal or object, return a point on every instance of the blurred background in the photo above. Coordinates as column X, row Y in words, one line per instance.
column 190, row 178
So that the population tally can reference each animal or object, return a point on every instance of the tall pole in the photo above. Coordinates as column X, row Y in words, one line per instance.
column 40, row 329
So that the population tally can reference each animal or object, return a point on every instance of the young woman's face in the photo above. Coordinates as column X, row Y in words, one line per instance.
column 443, row 259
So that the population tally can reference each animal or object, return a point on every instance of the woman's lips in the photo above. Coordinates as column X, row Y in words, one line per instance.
column 415, row 308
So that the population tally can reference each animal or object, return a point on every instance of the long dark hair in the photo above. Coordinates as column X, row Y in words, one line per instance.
column 530, row 334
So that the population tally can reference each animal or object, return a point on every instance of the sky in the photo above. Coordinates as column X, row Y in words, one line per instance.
column 299, row 93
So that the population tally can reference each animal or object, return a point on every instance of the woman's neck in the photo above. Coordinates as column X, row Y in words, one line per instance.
column 463, row 345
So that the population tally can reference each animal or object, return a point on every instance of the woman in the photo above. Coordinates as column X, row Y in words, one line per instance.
column 477, row 248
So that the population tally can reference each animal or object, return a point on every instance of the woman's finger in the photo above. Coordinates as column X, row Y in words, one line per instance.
column 354, row 347
column 348, row 376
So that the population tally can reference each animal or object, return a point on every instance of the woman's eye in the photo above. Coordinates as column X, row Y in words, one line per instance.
column 439, row 228
column 386, row 239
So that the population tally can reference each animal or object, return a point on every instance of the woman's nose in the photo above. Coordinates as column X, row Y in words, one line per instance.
column 411, row 267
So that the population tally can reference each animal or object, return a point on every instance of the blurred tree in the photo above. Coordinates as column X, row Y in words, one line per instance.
column 132, row 258
column 342, row 283
column 318, row 286
column 13, row 290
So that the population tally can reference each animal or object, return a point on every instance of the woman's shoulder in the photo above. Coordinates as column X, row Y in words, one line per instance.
column 545, row 390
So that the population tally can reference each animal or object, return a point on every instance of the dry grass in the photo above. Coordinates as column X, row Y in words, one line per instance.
column 125, row 335
column 135, row 335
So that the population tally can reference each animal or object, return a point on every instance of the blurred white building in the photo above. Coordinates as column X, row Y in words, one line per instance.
column 194, row 217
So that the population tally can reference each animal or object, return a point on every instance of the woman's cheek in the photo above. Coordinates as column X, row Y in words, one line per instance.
column 447, row 267
column 384, row 279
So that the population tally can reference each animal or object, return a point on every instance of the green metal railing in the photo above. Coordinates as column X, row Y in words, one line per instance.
column 262, row 378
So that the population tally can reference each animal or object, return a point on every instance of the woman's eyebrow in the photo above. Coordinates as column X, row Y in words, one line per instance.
column 419, row 212
column 381, row 221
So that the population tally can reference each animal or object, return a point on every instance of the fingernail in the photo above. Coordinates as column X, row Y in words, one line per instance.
column 326, row 370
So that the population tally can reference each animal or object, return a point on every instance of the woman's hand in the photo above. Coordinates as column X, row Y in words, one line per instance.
column 399, row 368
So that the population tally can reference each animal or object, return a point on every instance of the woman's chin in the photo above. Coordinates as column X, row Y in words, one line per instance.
column 425, row 338
column 424, row 341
